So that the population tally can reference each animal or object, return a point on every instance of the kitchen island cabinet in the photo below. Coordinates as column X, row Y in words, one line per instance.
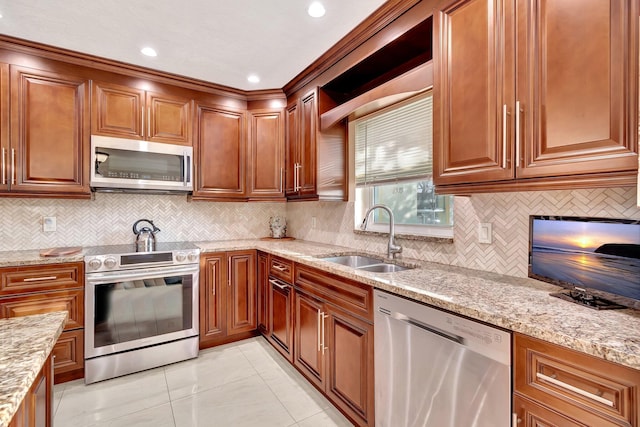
column 228, row 297
column 46, row 288
column 551, row 105
column 26, row 369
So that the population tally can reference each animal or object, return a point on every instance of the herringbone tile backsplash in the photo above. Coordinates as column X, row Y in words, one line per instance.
column 507, row 212
column 108, row 219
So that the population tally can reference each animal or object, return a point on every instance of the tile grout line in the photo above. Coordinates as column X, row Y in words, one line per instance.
column 173, row 414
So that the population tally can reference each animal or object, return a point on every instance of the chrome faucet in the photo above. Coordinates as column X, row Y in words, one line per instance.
column 392, row 248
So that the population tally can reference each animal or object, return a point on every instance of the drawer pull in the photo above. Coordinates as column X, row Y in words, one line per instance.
column 276, row 284
column 577, row 390
column 279, row 267
column 39, row 279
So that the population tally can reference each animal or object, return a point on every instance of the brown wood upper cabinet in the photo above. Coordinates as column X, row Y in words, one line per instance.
column 220, row 153
column 127, row 112
column 315, row 161
column 47, row 152
column 265, row 162
column 526, row 90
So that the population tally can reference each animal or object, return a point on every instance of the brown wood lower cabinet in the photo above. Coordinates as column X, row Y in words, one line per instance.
column 46, row 288
column 36, row 408
column 228, row 295
column 333, row 342
column 556, row 386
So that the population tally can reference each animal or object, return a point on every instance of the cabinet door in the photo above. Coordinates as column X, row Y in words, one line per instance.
column 117, row 111
column 5, row 149
column 473, row 91
column 220, row 154
column 266, row 154
column 307, row 146
column 212, row 310
column 281, row 317
column 71, row 301
column 308, row 354
column 530, row 414
column 168, row 119
column 49, row 132
column 263, row 292
column 241, row 300
column 577, row 85
column 350, row 381
column 291, row 156
column 69, row 356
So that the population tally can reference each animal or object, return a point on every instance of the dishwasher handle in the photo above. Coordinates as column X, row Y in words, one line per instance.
column 429, row 328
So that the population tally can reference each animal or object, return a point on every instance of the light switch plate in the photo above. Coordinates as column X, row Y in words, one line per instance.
column 49, row 223
column 484, row 232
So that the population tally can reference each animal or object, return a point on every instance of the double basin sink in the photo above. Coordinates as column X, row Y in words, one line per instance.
column 365, row 263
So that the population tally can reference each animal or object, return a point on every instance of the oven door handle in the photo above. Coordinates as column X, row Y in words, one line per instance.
column 110, row 276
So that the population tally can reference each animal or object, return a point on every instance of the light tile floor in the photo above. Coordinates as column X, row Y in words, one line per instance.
column 246, row 383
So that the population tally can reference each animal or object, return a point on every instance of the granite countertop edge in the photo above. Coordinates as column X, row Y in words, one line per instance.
column 26, row 343
column 514, row 303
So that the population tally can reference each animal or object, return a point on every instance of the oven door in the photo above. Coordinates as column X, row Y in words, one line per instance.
column 125, row 310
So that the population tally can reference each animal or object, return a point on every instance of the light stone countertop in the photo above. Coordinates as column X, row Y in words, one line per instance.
column 25, row 344
column 517, row 304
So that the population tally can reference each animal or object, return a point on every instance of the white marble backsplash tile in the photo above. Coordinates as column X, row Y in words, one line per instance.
column 507, row 212
column 108, row 220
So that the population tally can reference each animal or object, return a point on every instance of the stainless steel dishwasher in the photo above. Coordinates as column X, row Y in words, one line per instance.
column 436, row 369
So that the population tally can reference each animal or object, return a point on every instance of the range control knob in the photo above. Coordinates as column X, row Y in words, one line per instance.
column 95, row 264
column 193, row 257
column 180, row 257
column 110, row 262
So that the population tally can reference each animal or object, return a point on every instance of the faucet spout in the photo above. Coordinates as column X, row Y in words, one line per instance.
column 392, row 247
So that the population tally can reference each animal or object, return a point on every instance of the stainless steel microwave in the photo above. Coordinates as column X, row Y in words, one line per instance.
column 131, row 165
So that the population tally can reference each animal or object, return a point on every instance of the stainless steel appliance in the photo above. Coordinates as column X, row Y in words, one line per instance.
column 141, row 308
column 436, row 369
column 131, row 165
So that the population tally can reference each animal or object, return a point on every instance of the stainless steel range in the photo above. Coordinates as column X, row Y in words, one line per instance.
column 141, row 308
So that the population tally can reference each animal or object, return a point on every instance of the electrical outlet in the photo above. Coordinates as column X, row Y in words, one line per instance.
column 484, row 232
column 314, row 222
column 48, row 224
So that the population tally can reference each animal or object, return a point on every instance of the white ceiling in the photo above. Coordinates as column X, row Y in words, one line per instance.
column 219, row 41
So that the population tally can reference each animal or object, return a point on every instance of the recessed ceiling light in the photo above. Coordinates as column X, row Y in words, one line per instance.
column 316, row 9
column 149, row 51
column 253, row 79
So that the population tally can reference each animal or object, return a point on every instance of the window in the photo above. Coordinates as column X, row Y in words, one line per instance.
column 393, row 166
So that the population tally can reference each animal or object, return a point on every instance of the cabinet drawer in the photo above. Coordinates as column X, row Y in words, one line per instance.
column 588, row 389
column 70, row 301
column 281, row 268
column 20, row 280
column 69, row 352
column 354, row 297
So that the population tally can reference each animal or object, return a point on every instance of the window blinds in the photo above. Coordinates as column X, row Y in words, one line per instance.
column 396, row 144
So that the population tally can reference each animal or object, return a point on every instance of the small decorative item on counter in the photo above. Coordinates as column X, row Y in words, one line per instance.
column 278, row 226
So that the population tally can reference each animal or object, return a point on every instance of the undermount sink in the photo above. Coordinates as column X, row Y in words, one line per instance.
column 365, row 263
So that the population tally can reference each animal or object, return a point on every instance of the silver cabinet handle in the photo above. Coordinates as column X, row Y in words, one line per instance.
column 295, row 177
column 504, row 136
column 299, row 169
column 278, row 285
column 13, row 166
column 574, row 389
column 142, row 124
column 320, row 345
column 518, row 111
column 324, row 316
column 148, row 122
column 4, row 172
column 39, row 279
column 279, row 267
column 229, row 271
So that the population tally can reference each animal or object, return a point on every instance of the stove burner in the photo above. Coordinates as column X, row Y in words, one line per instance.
column 586, row 299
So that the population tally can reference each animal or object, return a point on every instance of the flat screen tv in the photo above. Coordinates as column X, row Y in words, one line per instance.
column 596, row 259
